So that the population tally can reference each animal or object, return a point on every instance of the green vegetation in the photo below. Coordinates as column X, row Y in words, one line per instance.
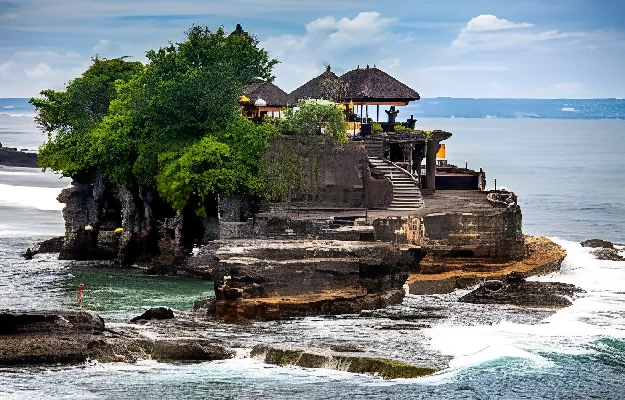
column 376, row 127
column 173, row 123
column 315, row 117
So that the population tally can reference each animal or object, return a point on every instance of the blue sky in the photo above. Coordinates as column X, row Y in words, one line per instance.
column 456, row 48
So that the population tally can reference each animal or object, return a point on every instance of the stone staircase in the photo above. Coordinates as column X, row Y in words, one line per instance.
column 406, row 193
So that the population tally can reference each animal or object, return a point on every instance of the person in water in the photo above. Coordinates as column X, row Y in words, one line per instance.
column 79, row 294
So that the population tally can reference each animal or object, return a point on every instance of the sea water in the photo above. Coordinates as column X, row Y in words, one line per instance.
column 568, row 175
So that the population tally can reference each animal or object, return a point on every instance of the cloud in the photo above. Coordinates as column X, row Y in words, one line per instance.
column 390, row 63
column 102, row 44
column 487, row 32
column 568, row 87
column 8, row 16
column 328, row 40
column 40, row 70
column 7, row 67
column 489, row 22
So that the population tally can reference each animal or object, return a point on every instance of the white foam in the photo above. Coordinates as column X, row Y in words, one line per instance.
column 569, row 109
column 32, row 197
column 597, row 313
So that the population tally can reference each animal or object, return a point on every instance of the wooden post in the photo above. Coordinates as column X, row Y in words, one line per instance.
column 377, row 117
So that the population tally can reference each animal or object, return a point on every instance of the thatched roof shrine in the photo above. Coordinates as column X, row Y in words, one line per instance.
column 325, row 86
column 270, row 93
column 374, row 86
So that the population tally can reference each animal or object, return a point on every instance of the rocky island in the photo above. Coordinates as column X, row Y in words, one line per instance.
column 288, row 217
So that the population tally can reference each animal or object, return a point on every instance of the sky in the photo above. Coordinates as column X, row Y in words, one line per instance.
column 441, row 48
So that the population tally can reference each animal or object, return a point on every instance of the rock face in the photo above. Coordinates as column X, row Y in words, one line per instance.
column 440, row 274
column 53, row 337
column 515, row 290
column 273, row 279
column 104, row 221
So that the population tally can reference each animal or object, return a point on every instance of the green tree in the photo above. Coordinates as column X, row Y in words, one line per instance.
column 68, row 116
column 315, row 117
column 174, row 123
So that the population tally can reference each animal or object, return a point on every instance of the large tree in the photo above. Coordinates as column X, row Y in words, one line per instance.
column 175, row 123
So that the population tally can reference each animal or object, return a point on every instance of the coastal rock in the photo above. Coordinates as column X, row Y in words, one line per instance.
column 54, row 245
column 597, row 243
column 49, row 321
column 607, row 254
column 189, row 350
column 275, row 279
column 10, row 157
column 516, row 291
column 444, row 274
column 155, row 313
column 387, row 369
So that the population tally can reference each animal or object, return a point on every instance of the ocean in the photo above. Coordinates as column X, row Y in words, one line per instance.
column 563, row 158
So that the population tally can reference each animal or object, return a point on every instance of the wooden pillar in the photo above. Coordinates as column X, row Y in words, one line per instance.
column 430, row 164
column 361, row 113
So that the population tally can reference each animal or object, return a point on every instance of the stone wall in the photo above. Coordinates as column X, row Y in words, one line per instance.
column 313, row 170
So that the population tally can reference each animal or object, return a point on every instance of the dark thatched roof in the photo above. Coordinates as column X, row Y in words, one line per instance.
column 373, row 84
column 325, row 86
column 273, row 95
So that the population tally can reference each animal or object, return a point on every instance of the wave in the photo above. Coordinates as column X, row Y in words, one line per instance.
column 569, row 109
column 30, row 197
column 30, row 115
column 8, row 107
column 597, row 313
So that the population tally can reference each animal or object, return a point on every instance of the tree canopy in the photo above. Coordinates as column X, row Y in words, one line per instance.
column 174, row 123
column 315, row 117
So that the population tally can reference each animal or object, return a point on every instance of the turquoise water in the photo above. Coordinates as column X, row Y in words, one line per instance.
column 568, row 175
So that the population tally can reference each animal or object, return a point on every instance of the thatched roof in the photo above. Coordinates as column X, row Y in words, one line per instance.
column 373, row 84
column 325, row 86
column 273, row 95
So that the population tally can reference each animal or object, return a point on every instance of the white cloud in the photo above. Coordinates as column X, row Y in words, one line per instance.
column 329, row 40
column 489, row 22
column 487, row 32
column 7, row 67
column 72, row 54
column 27, row 54
column 102, row 44
column 8, row 16
column 568, row 87
column 39, row 71
column 390, row 63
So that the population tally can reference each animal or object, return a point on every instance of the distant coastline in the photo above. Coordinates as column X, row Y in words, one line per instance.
column 449, row 107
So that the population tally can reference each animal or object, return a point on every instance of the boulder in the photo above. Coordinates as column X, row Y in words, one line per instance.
column 597, row 243
column 189, row 350
column 155, row 313
column 516, row 291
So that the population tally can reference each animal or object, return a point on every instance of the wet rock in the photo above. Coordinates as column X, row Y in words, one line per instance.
column 607, row 254
column 54, row 245
column 12, row 158
column 387, row 369
column 597, row 243
column 12, row 322
column 189, row 350
column 155, row 313
column 522, row 293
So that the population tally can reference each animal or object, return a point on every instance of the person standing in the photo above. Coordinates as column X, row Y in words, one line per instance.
column 79, row 294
